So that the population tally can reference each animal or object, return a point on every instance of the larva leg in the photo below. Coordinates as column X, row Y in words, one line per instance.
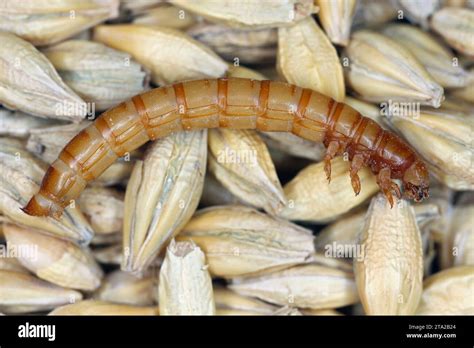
column 396, row 189
column 387, row 185
column 331, row 152
column 357, row 163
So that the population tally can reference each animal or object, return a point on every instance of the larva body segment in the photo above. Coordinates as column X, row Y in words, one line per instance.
column 230, row 103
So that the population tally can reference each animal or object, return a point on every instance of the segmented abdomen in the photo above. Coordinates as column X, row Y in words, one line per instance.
column 361, row 135
column 231, row 103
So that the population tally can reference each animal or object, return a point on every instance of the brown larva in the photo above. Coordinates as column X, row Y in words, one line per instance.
column 231, row 103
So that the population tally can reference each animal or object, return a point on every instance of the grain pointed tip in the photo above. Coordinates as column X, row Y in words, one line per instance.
column 437, row 96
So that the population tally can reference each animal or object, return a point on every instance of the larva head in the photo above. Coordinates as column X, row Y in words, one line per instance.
column 416, row 181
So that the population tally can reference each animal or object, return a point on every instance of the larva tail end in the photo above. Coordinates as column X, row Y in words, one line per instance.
column 33, row 208
column 39, row 206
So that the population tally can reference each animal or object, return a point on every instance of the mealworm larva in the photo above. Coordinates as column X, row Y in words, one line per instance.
column 231, row 103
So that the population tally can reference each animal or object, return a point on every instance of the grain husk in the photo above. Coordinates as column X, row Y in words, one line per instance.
column 24, row 293
column 162, row 194
column 306, row 286
column 240, row 161
column 456, row 26
column 331, row 260
column 109, row 255
column 443, row 197
column 29, row 83
column 371, row 13
column 47, row 143
column 169, row 54
column 466, row 94
column 125, row 288
column 229, row 302
column 312, row 198
column 19, row 125
column 243, row 72
column 99, row 74
column 194, row 296
column 287, row 311
column 247, row 46
column 44, row 22
column 240, row 241
column 55, row 260
column 93, row 307
column 252, row 13
column 307, row 59
column 381, row 70
column 389, row 272
column 336, row 19
column 419, row 11
column 168, row 16
column 457, row 247
column 104, row 208
column 139, row 6
column 448, row 292
column 436, row 58
column 11, row 263
column 444, row 140
column 345, row 230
